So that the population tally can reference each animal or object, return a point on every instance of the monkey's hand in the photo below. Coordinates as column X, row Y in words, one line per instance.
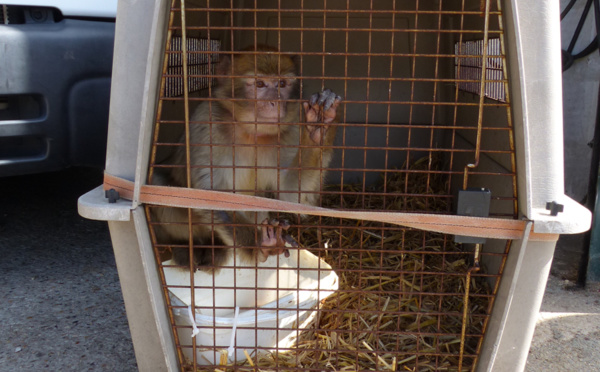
column 321, row 108
column 274, row 239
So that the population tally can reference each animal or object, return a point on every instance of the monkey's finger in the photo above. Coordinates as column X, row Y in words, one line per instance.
column 307, row 109
column 290, row 241
column 313, row 99
column 266, row 233
column 286, row 253
column 266, row 229
column 330, row 101
column 263, row 255
column 335, row 103
column 324, row 95
column 285, row 224
column 279, row 237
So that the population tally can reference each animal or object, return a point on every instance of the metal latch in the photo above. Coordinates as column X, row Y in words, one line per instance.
column 554, row 208
column 112, row 195
column 473, row 202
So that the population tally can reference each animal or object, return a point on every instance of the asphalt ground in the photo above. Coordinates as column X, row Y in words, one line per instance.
column 567, row 334
column 61, row 303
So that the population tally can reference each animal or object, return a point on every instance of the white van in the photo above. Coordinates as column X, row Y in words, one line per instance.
column 55, row 70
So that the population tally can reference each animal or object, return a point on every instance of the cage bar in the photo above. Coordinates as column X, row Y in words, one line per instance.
column 416, row 274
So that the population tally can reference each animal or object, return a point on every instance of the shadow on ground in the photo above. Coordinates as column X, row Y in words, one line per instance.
column 62, row 308
column 567, row 334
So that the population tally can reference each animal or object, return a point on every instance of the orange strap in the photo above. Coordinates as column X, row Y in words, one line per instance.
column 494, row 228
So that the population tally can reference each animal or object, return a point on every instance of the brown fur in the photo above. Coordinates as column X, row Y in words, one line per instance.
column 240, row 161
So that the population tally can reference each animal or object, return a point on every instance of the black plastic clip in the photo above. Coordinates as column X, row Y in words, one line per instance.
column 554, row 208
column 112, row 195
column 474, row 202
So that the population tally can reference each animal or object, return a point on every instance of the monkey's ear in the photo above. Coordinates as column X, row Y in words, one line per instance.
column 223, row 67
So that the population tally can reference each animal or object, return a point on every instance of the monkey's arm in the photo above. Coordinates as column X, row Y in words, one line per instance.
column 313, row 157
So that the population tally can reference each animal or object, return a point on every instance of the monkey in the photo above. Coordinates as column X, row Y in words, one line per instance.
column 256, row 139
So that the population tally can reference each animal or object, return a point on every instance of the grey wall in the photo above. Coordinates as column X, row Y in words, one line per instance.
column 580, row 97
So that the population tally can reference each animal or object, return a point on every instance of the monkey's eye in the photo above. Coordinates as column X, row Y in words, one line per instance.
column 282, row 83
column 260, row 84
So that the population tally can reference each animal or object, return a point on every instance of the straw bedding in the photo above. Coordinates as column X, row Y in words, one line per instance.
column 398, row 306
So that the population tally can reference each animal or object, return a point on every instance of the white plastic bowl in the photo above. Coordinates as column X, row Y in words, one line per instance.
column 272, row 314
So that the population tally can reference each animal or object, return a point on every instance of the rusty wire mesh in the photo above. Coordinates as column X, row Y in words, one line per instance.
column 409, row 135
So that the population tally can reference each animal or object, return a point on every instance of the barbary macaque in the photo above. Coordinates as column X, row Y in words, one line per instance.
column 253, row 139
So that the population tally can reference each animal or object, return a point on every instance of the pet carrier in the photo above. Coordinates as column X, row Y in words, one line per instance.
column 403, row 217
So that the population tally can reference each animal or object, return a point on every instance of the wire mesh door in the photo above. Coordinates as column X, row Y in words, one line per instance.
column 348, row 105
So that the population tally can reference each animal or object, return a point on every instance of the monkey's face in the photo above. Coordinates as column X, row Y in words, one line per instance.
column 267, row 101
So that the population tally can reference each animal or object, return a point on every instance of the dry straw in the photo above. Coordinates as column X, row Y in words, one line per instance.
column 399, row 305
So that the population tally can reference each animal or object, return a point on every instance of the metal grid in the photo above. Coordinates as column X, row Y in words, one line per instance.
column 377, row 296
column 471, row 68
column 198, row 66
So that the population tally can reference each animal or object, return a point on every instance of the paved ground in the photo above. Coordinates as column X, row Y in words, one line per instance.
column 567, row 335
column 62, row 308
